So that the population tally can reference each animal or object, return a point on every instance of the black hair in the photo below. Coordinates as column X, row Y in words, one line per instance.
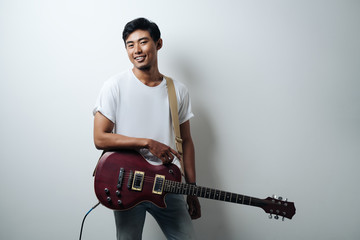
column 142, row 24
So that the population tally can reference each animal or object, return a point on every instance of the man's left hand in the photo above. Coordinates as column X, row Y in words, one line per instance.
column 194, row 207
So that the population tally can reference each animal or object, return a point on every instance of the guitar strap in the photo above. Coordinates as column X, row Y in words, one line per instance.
column 175, row 119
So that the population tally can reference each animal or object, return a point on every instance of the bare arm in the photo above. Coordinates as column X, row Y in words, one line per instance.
column 104, row 139
column 189, row 168
column 189, row 152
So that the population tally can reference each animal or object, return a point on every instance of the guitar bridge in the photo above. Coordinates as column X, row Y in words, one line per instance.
column 158, row 184
column 138, row 181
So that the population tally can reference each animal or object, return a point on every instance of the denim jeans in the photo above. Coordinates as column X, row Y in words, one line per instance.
column 174, row 220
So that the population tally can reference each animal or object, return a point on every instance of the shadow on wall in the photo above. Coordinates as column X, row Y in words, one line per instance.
column 213, row 223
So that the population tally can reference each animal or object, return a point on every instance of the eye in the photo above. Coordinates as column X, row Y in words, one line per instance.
column 143, row 42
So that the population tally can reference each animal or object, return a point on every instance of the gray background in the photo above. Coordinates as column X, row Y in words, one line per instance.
column 275, row 91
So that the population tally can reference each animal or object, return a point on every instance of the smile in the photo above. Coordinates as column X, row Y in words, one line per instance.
column 140, row 58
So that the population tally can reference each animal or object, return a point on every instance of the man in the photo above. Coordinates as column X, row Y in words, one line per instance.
column 132, row 112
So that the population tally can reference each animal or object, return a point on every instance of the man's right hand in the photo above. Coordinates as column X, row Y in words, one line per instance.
column 163, row 152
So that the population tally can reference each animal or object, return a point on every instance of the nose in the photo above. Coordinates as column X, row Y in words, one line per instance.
column 137, row 48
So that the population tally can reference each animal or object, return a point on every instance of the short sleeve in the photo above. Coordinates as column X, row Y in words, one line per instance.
column 107, row 101
column 185, row 111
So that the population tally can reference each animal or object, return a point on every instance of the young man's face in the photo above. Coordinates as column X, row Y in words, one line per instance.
column 142, row 50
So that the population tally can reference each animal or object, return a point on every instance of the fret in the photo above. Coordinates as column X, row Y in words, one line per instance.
column 228, row 197
column 188, row 189
column 246, row 200
column 169, row 186
column 217, row 194
column 221, row 195
column 212, row 193
column 181, row 188
column 193, row 188
column 208, row 193
column 198, row 192
column 184, row 189
column 239, row 198
column 234, row 197
column 202, row 192
column 173, row 185
column 178, row 188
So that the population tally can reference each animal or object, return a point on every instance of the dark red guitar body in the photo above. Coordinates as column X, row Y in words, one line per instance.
column 124, row 179
column 118, row 192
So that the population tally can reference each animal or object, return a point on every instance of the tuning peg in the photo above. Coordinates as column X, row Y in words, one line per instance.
column 274, row 196
column 283, row 218
column 276, row 217
column 270, row 216
column 280, row 198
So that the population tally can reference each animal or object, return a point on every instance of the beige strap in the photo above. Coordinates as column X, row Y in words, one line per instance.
column 175, row 118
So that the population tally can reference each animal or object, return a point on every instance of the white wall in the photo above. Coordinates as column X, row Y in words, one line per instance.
column 275, row 89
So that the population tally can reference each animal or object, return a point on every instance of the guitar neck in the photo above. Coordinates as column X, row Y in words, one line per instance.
column 204, row 192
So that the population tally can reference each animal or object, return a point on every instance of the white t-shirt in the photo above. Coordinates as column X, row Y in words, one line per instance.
column 138, row 110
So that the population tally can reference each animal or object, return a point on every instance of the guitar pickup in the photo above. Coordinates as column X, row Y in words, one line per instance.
column 120, row 178
column 158, row 184
column 138, row 181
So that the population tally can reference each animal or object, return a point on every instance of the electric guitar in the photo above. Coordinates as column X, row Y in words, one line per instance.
column 124, row 179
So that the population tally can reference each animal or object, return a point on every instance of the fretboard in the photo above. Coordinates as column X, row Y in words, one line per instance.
column 204, row 192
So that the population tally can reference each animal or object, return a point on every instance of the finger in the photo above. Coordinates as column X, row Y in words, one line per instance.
column 194, row 208
column 193, row 211
column 167, row 158
column 195, row 214
column 175, row 153
column 164, row 159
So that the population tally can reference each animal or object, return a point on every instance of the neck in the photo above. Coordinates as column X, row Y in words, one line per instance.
column 150, row 77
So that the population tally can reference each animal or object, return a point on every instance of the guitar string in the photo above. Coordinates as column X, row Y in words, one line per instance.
column 180, row 187
column 169, row 184
column 183, row 187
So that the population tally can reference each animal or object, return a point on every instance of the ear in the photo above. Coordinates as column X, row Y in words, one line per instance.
column 159, row 44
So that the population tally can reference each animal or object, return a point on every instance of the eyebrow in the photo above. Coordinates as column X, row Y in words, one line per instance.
column 140, row 39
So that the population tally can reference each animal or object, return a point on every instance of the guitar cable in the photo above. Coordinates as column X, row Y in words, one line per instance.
column 82, row 224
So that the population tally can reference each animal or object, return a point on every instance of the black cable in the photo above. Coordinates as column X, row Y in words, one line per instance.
column 82, row 224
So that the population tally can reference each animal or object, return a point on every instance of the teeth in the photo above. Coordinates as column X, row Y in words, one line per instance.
column 139, row 58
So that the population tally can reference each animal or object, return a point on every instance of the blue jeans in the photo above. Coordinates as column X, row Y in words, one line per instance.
column 174, row 220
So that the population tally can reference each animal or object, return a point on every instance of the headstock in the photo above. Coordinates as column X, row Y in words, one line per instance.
column 277, row 206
